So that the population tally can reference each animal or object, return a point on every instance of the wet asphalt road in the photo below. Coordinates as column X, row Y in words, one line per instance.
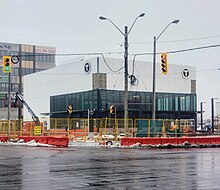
column 108, row 168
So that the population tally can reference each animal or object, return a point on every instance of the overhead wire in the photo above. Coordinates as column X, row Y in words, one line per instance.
column 183, row 40
column 181, row 50
column 68, row 54
column 115, row 71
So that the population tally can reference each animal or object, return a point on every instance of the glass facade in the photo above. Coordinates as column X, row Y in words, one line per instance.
column 31, row 59
column 168, row 105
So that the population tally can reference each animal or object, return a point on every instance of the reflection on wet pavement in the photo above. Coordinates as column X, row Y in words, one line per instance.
column 108, row 168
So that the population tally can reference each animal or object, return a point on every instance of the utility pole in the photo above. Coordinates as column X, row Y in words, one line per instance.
column 125, row 34
column 126, row 82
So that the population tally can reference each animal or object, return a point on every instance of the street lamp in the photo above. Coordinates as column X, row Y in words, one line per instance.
column 201, row 112
column 154, row 69
column 212, row 107
column 125, row 34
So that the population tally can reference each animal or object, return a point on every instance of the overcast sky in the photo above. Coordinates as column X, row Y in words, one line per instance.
column 73, row 26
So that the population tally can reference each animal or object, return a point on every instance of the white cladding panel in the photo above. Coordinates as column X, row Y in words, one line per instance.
column 217, row 108
column 71, row 77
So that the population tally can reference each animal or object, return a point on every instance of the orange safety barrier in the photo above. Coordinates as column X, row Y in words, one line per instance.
column 38, row 139
column 203, row 140
column 170, row 140
column 55, row 141
column 151, row 141
column 4, row 139
column 43, row 140
column 215, row 140
column 63, row 141
column 191, row 140
column 128, row 141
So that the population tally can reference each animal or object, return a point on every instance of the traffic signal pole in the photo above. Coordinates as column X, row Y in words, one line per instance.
column 9, row 85
column 154, row 80
column 9, row 97
column 154, row 69
column 8, row 70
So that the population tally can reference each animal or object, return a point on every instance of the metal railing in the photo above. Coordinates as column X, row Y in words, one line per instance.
column 100, row 129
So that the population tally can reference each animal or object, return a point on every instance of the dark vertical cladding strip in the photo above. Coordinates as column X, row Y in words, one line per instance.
column 34, row 59
column 193, row 86
column 97, row 64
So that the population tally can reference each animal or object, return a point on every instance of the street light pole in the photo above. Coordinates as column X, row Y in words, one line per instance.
column 212, row 112
column 125, row 34
column 201, row 117
column 154, row 81
column 154, row 70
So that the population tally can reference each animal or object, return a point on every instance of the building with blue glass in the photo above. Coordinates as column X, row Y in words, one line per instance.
column 168, row 105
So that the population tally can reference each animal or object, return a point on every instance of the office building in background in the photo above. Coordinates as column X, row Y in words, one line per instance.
column 32, row 59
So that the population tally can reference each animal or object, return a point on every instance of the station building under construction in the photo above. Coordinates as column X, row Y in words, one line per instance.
column 92, row 85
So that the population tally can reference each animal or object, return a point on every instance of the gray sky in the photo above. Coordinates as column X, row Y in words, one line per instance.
column 72, row 26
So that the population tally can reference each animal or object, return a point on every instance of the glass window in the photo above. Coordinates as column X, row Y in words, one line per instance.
column 44, row 58
column 14, row 87
column 27, row 56
column 1, row 71
column 4, row 52
column 160, row 102
column 14, row 53
column 166, row 102
column 14, row 71
column 182, row 103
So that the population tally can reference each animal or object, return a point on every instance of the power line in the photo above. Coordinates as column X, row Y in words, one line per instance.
column 191, row 39
column 68, row 54
column 109, row 66
column 196, row 48
column 182, row 50
column 183, row 40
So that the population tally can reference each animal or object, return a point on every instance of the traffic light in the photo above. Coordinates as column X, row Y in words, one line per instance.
column 164, row 63
column 6, row 62
column 112, row 109
column 70, row 109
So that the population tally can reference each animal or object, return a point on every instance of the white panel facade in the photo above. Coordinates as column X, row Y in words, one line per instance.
column 72, row 77
column 217, row 108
